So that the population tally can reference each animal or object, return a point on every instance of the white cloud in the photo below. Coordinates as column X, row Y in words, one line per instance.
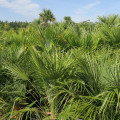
column 80, row 14
column 87, row 7
column 92, row 5
column 23, row 7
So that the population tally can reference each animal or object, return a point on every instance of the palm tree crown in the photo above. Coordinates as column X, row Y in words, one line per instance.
column 46, row 16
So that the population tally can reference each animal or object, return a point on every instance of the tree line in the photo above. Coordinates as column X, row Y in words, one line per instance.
column 5, row 25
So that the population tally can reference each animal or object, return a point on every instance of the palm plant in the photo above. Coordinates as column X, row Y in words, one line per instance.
column 48, row 68
column 110, row 21
column 58, row 73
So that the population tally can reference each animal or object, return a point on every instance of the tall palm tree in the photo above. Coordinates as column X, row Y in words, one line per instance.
column 47, row 16
column 68, row 19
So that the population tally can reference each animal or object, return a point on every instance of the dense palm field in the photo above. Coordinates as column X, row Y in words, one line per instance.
column 62, row 71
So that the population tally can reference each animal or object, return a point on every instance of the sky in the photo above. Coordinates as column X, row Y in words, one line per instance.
column 78, row 10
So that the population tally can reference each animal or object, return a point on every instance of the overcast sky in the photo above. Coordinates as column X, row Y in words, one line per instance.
column 79, row 10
